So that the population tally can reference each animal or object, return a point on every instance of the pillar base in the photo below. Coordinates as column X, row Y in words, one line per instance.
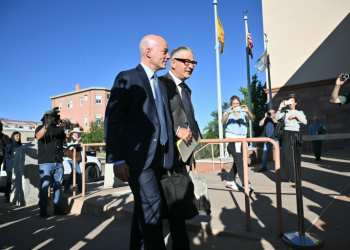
column 309, row 241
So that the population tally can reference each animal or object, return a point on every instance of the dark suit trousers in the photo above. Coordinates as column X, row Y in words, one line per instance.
column 147, row 222
column 317, row 148
column 178, row 232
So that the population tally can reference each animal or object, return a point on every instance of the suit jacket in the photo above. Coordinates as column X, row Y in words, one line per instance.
column 131, row 122
column 177, row 107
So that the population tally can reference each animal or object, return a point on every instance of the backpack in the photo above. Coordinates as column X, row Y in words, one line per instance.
column 279, row 129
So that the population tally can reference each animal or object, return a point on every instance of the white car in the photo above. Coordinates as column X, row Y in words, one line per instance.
column 3, row 176
column 93, row 170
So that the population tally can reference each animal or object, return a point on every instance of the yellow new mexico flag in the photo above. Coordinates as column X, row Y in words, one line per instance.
column 221, row 35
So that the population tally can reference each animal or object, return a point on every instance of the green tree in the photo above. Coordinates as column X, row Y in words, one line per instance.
column 259, row 105
column 96, row 133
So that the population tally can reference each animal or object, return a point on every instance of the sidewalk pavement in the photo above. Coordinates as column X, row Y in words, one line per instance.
column 102, row 219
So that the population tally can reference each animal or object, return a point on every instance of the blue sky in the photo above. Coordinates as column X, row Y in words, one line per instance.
column 47, row 47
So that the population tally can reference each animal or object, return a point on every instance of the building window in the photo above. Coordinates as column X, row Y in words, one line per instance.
column 98, row 99
column 85, row 97
column 81, row 101
column 85, row 121
column 98, row 119
column 69, row 103
column 60, row 105
column 108, row 96
column 71, row 120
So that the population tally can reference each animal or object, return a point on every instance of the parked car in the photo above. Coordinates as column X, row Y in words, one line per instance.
column 93, row 170
column 3, row 176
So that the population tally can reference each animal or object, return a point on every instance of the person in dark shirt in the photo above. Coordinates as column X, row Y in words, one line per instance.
column 269, row 122
column 50, row 156
column 9, row 159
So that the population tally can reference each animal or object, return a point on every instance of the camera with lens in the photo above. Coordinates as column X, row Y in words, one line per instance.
column 345, row 76
column 52, row 117
column 269, row 114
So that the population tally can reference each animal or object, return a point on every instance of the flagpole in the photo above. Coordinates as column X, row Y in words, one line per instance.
column 218, row 77
column 268, row 70
column 248, row 76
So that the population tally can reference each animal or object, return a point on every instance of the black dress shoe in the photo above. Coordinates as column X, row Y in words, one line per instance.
column 60, row 211
column 262, row 170
column 44, row 214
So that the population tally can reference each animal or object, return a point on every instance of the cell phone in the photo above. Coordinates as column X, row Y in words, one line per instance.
column 345, row 76
column 79, row 135
column 237, row 109
column 288, row 102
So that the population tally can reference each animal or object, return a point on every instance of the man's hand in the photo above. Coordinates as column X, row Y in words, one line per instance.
column 184, row 134
column 339, row 81
column 121, row 171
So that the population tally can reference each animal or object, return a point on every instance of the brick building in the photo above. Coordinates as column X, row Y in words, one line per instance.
column 83, row 105
column 309, row 48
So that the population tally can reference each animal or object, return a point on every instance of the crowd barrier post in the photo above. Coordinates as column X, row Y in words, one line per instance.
column 300, row 239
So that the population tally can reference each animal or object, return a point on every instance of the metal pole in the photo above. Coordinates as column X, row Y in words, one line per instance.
column 218, row 77
column 268, row 71
column 246, row 185
column 248, row 76
column 74, row 168
column 83, row 171
column 300, row 239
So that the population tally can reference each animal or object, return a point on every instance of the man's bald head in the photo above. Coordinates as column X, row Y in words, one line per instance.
column 154, row 52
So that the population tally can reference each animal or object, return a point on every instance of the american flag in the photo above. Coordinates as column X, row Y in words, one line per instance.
column 250, row 44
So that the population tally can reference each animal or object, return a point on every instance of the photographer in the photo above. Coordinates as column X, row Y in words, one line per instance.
column 269, row 122
column 341, row 99
column 50, row 156
column 235, row 121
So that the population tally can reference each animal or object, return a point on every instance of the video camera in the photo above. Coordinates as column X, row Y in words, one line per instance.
column 52, row 117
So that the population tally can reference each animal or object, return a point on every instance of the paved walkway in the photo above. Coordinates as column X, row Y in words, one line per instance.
column 326, row 190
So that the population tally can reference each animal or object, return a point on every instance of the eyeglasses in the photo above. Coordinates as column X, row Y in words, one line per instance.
column 187, row 62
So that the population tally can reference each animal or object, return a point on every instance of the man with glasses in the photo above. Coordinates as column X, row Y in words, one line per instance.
column 185, row 126
column 269, row 122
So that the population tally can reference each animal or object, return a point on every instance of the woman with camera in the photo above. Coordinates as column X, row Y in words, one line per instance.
column 292, row 120
column 9, row 159
column 235, row 121
column 74, row 140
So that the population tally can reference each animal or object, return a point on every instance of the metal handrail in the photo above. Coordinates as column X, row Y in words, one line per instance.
column 245, row 173
column 83, row 167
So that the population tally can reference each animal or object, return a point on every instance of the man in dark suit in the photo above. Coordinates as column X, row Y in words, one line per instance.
column 185, row 126
column 139, row 139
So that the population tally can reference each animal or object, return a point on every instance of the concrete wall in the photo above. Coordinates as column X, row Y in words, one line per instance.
column 308, row 40
column 309, row 47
